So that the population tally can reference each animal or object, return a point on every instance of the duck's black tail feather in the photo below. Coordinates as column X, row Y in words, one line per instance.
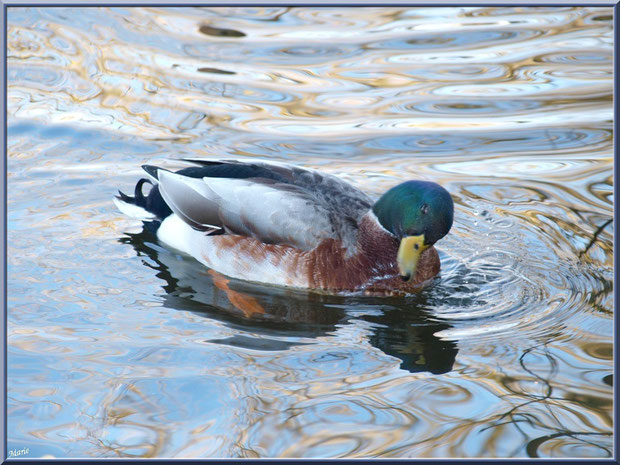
column 147, row 208
column 138, row 199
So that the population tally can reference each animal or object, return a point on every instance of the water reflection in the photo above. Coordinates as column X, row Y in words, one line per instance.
column 273, row 314
column 219, row 32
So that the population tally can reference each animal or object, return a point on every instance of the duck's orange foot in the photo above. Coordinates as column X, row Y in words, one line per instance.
column 248, row 305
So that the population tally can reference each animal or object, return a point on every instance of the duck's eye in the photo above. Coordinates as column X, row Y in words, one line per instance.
column 424, row 209
column 416, row 246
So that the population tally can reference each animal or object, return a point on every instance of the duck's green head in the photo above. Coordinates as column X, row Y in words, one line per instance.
column 418, row 213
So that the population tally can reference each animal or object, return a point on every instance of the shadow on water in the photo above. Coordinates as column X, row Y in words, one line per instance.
column 275, row 313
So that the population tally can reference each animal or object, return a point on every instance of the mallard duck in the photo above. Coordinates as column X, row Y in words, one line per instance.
column 282, row 224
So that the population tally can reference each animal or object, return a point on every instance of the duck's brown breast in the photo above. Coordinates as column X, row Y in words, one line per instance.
column 372, row 267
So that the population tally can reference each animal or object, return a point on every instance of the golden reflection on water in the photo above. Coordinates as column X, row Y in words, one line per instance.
column 120, row 348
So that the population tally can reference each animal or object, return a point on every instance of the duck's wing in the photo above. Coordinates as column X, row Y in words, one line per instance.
column 276, row 203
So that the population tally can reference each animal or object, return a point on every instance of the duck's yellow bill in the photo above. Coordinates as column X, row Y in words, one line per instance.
column 408, row 255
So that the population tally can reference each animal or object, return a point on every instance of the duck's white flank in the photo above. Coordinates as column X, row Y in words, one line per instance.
column 230, row 261
column 177, row 234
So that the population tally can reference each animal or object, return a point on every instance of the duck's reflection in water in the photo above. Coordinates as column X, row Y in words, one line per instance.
column 398, row 326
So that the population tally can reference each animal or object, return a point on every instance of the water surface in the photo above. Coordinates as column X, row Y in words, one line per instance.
column 119, row 347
